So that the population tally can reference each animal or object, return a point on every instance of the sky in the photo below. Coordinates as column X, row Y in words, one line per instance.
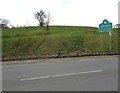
column 119, row 13
column 62, row 12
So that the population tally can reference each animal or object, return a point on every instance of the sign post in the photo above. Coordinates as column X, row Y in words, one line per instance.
column 101, row 40
column 106, row 26
column 110, row 40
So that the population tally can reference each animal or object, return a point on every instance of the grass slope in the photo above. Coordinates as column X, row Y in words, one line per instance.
column 33, row 42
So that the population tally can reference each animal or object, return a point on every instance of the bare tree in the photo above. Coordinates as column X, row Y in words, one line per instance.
column 48, row 22
column 4, row 23
column 40, row 16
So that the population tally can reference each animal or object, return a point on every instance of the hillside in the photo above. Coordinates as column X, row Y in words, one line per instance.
column 35, row 42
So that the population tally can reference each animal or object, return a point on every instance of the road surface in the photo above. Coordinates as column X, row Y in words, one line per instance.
column 98, row 73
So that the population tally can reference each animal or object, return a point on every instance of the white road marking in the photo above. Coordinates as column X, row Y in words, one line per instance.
column 60, row 75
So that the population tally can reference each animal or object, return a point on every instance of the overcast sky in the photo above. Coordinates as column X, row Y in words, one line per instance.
column 63, row 12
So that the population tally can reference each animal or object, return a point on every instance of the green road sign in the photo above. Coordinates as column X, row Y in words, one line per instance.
column 105, row 26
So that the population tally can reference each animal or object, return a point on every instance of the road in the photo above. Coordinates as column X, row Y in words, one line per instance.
column 98, row 73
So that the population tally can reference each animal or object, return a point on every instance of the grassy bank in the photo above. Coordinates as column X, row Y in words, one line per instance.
column 33, row 42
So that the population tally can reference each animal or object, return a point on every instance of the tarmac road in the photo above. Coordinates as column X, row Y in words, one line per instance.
column 98, row 73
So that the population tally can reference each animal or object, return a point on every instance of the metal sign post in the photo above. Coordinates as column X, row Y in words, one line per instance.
column 110, row 40
column 101, row 40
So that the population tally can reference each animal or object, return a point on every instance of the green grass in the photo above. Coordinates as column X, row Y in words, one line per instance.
column 28, row 42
